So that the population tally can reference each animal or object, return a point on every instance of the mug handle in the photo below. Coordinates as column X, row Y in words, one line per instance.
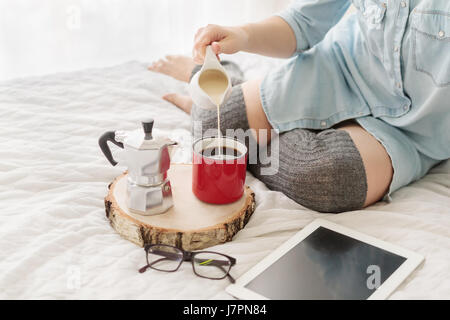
column 103, row 143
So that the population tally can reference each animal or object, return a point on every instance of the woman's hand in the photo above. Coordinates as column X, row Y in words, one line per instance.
column 271, row 37
column 222, row 40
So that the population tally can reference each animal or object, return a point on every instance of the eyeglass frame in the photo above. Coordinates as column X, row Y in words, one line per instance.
column 187, row 256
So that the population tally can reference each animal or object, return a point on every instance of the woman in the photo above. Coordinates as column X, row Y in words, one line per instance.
column 361, row 109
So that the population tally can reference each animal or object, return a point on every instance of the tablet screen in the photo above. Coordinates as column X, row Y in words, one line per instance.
column 327, row 265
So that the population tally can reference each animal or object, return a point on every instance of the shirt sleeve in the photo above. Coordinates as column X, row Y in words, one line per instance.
column 311, row 19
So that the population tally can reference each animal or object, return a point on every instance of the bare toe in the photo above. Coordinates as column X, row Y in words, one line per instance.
column 157, row 66
column 176, row 66
column 181, row 101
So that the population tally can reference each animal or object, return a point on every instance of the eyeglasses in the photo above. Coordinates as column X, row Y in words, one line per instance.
column 206, row 264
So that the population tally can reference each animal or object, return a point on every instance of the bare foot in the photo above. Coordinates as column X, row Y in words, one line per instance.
column 177, row 66
column 181, row 101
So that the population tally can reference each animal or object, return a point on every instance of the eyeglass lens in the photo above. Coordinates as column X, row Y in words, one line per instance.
column 211, row 265
column 164, row 258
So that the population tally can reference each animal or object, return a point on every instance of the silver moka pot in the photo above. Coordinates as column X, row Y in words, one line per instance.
column 148, row 160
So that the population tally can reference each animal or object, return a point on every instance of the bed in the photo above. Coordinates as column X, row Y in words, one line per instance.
column 56, row 242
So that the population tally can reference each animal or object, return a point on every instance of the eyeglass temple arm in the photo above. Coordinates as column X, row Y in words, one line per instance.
column 230, row 277
column 144, row 268
column 211, row 262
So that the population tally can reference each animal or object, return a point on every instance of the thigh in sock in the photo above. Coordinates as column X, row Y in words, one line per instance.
column 321, row 170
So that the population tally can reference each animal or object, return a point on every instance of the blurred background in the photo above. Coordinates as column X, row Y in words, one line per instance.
column 46, row 36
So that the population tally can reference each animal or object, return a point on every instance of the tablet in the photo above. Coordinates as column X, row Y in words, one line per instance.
column 327, row 261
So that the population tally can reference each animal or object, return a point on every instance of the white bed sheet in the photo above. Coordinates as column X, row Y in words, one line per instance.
column 56, row 243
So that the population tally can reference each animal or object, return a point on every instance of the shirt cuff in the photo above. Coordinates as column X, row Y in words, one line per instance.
column 288, row 16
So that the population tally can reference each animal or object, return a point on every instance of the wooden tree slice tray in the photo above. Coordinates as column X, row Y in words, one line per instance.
column 190, row 224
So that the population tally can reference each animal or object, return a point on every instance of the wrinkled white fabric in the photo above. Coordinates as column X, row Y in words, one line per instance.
column 56, row 243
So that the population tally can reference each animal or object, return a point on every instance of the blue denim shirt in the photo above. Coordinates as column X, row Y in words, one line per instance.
column 386, row 65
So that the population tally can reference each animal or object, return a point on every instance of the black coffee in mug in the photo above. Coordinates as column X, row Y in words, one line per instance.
column 216, row 151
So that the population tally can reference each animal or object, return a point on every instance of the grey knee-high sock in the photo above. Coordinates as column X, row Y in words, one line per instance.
column 320, row 170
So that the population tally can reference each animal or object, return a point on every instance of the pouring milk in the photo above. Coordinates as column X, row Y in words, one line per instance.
column 214, row 83
column 211, row 86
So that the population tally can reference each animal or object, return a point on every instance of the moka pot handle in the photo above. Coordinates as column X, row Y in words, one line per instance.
column 103, row 143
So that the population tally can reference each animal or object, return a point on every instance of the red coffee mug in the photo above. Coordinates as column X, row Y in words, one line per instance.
column 218, row 179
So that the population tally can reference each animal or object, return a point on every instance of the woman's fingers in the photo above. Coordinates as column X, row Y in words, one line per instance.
column 222, row 39
column 211, row 34
column 216, row 47
column 200, row 50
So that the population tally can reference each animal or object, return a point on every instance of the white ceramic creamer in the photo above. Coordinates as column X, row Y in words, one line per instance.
column 210, row 79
